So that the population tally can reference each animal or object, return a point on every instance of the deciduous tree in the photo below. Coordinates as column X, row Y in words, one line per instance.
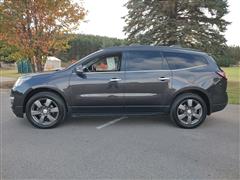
column 37, row 27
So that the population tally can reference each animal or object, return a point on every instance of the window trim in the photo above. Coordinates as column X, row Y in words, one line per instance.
column 205, row 64
column 105, row 72
column 168, row 69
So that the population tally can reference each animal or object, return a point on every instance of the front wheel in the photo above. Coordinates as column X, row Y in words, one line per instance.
column 188, row 110
column 45, row 110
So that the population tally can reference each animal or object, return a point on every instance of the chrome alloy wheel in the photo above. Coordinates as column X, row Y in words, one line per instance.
column 189, row 111
column 44, row 111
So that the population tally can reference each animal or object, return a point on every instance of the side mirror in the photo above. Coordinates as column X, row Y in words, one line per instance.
column 80, row 69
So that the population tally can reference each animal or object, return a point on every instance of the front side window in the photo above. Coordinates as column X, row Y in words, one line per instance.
column 144, row 60
column 183, row 60
column 104, row 64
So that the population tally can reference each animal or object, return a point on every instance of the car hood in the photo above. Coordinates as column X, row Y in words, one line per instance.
column 39, row 74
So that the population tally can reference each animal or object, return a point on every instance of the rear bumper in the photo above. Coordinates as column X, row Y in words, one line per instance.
column 220, row 106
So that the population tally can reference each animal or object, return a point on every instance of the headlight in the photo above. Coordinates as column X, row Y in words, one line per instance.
column 20, row 80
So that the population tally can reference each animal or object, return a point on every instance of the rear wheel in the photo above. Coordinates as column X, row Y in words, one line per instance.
column 188, row 110
column 45, row 110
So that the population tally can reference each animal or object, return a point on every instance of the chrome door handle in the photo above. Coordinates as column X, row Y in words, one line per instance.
column 163, row 78
column 115, row 79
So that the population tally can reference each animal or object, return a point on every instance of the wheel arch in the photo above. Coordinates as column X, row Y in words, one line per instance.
column 197, row 91
column 43, row 89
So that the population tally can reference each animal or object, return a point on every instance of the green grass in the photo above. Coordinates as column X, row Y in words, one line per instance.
column 233, row 92
column 9, row 73
column 233, row 75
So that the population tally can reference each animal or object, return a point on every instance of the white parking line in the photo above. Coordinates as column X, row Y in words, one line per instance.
column 111, row 122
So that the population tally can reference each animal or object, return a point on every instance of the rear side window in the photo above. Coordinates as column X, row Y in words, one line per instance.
column 144, row 60
column 215, row 61
column 183, row 60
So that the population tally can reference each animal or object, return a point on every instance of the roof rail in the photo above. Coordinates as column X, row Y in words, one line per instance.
column 176, row 46
column 135, row 44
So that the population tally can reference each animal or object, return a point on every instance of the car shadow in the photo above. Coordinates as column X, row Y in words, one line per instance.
column 129, row 121
column 146, row 120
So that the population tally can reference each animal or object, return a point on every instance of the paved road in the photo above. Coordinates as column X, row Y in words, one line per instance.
column 136, row 147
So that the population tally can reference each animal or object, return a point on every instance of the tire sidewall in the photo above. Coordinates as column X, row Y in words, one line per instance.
column 178, row 101
column 58, row 100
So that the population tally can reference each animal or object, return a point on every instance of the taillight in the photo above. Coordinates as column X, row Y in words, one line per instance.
column 222, row 74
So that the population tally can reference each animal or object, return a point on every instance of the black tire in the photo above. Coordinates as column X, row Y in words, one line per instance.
column 175, row 109
column 56, row 101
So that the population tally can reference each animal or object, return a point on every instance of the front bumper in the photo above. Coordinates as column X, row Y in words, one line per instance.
column 17, row 103
column 18, row 111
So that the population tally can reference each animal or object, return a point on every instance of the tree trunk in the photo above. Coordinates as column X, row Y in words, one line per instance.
column 33, row 67
column 32, row 64
column 39, row 65
column 38, row 60
column 173, row 18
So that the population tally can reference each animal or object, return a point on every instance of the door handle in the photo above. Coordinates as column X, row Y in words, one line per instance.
column 163, row 78
column 115, row 79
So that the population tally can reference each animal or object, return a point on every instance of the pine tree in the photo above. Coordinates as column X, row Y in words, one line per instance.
column 189, row 23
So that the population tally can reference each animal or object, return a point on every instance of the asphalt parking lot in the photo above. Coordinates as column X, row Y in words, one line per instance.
column 127, row 148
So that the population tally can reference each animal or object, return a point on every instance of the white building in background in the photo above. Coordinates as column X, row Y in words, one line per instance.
column 52, row 63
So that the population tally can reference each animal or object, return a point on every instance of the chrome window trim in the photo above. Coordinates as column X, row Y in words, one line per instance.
column 106, row 72
column 119, row 72
column 169, row 69
column 148, row 71
column 190, row 67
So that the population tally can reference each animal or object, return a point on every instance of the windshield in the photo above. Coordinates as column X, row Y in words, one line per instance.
column 83, row 59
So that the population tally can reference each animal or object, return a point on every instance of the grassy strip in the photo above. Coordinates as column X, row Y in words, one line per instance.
column 233, row 75
column 9, row 73
column 233, row 92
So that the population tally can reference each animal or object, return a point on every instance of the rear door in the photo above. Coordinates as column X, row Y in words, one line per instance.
column 147, row 82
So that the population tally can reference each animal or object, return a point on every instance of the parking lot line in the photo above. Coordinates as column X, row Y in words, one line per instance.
column 111, row 122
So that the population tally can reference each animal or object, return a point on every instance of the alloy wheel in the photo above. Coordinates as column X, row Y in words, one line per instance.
column 44, row 111
column 190, row 111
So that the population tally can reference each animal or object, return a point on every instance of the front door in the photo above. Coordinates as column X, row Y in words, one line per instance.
column 148, row 82
column 99, row 89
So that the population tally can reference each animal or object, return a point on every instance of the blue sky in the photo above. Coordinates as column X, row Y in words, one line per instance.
column 105, row 19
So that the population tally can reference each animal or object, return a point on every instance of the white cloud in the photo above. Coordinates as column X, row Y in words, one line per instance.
column 104, row 18
column 233, row 30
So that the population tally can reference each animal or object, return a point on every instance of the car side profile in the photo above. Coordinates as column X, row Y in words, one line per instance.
column 131, row 80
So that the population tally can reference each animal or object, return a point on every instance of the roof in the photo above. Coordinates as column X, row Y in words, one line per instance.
column 148, row 47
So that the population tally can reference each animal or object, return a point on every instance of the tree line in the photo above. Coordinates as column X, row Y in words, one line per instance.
column 82, row 45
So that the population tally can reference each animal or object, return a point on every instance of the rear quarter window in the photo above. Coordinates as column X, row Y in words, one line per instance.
column 184, row 60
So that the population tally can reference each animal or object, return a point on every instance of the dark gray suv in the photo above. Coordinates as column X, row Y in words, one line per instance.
column 132, row 80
